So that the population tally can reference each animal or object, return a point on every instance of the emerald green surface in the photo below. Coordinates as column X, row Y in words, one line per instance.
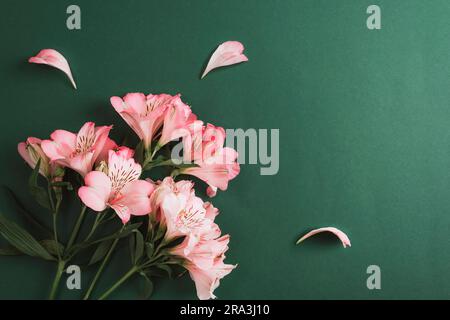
column 364, row 119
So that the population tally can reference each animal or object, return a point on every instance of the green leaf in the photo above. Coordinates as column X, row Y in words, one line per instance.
column 62, row 184
column 121, row 233
column 100, row 252
column 52, row 247
column 136, row 246
column 148, row 286
column 139, row 246
column 149, row 249
column 22, row 240
column 10, row 251
column 132, row 243
column 176, row 241
column 117, row 235
column 39, row 194
column 165, row 268
column 37, row 224
column 160, row 232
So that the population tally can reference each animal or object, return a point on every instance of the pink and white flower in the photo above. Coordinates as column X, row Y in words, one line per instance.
column 177, row 118
column 118, row 187
column 183, row 215
column 144, row 114
column 203, row 252
column 31, row 151
column 208, row 280
column 216, row 164
column 77, row 151
column 168, row 186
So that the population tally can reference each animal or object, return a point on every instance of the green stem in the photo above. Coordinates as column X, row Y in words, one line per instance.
column 157, row 147
column 100, row 269
column 50, row 197
column 76, row 228
column 55, row 235
column 59, row 272
column 124, row 278
column 97, row 221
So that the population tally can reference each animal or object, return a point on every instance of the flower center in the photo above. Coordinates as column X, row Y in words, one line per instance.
column 122, row 174
column 85, row 143
column 189, row 219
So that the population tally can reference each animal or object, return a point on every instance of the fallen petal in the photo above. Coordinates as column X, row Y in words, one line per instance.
column 226, row 54
column 55, row 59
column 341, row 235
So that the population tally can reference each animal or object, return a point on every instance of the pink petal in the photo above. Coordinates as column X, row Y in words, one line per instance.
column 136, row 197
column 96, row 193
column 65, row 138
column 55, row 59
column 226, row 54
column 341, row 235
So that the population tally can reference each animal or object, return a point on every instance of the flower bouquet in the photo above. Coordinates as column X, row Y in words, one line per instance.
column 169, row 228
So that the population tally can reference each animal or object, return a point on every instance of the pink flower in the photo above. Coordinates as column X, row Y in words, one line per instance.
column 118, row 187
column 203, row 250
column 144, row 114
column 31, row 152
column 177, row 117
column 208, row 280
column 77, row 151
column 216, row 165
column 168, row 186
column 183, row 214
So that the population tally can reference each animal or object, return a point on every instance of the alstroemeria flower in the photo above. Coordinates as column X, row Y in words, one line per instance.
column 208, row 280
column 216, row 165
column 31, row 152
column 177, row 117
column 183, row 215
column 168, row 186
column 77, row 151
column 144, row 114
column 203, row 248
column 118, row 187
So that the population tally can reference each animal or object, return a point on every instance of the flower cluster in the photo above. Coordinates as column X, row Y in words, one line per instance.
column 181, row 229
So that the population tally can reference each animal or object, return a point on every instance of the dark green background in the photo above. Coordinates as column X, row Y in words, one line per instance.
column 364, row 119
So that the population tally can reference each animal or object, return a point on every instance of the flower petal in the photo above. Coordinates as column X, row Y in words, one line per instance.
column 55, row 59
column 136, row 197
column 341, row 235
column 96, row 193
column 226, row 54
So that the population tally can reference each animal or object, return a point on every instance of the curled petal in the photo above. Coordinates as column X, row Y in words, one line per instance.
column 341, row 235
column 55, row 59
column 226, row 54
